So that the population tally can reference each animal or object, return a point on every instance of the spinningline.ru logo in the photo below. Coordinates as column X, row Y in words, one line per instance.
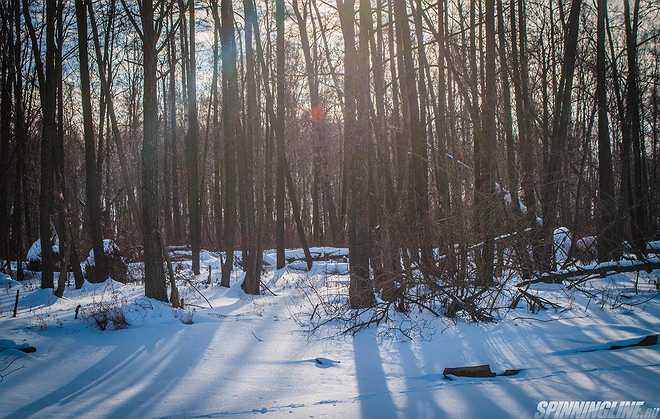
column 610, row 409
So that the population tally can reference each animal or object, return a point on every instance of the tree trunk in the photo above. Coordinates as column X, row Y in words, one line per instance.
column 192, row 154
column 91, row 176
column 20, row 135
column 280, row 179
column 485, row 184
column 154, row 276
column 252, row 275
column 512, row 168
column 550, row 187
column 360, row 288
column 231, row 121
column 639, row 222
column 607, row 240
column 48, row 95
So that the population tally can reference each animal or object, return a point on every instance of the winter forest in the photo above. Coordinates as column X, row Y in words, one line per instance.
column 325, row 208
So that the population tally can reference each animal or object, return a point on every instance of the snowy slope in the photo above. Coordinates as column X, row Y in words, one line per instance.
column 34, row 253
column 248, row 357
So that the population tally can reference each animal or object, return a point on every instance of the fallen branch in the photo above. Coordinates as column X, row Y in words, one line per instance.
column 649, row 340
column 559, row 277
column 266, row 286
column 198, row 291
column 28, row 349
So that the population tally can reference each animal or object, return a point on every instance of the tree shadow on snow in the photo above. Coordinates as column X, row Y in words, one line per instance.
column 374, row 396
column 131, row 378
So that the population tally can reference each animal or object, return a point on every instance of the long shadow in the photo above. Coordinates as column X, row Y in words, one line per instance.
column 462, row 397
column 134, row 376
column 232, row 369
column 419, row 404
column 111, row 364
column 576, row 374
column 187, row 349
column 595, row 368
column 374, row 396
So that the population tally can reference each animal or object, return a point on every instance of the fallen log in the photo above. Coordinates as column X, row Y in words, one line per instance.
column 474, row 371
column 561, row 276
column 24, row 347
column 477, row 371
column 649, row 340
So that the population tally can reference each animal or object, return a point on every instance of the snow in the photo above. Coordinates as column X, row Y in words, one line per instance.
column 6, row 281
column 34, row 254
column 561, row 240
column 109, row 247
column 586, row 243
column 508, row 200
column 299, row 254
column 654, row 245
column 330, row 267
column 251, row 357
column 627, row 261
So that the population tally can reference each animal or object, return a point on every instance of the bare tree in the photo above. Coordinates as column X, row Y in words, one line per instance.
column 607, row 243
column 46, row 75
column 231, row 122
column 192, row 139
column 280, row 12
column 91, row 179
column 361, row 289
column 154, row 275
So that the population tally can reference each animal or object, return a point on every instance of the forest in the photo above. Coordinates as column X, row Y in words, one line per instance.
column 388, row 167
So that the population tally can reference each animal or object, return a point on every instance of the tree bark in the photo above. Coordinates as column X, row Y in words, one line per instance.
column 192, row 154
column 607, row 240
column 91, row 175
column 252, row 274
column 231, row 121
column 360, row 290
column 550, row 186
column 46, row 74
column 154, row 275
column 280, row 177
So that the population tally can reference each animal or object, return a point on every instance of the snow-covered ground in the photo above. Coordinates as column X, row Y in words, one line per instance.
column 249, row 357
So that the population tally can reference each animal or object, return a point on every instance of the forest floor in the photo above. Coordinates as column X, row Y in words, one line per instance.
column 252, row 356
